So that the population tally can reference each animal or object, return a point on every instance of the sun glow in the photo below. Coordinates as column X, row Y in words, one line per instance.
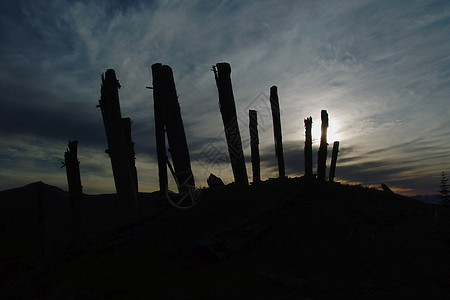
column 333, row 132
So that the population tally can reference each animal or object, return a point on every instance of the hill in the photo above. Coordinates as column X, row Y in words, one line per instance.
column 287, row 238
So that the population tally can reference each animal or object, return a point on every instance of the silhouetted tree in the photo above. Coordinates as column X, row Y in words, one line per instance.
column 444, row 192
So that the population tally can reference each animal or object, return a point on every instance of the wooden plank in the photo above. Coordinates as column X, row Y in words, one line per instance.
column 308, row 148
column 322, row 155
column 254, row 145
column 334, row 156
column 126, row 127
column 117, row 147
column 158, row 105
column 176, row 135
column 275, row 106
column 222, row 74
column 75, row 191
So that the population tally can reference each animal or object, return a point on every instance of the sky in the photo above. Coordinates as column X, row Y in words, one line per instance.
column 380, row 68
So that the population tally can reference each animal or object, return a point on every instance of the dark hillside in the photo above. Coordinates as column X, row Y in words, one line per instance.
column 283, row 238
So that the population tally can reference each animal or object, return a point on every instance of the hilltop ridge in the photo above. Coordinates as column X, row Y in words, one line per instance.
column 289, row 238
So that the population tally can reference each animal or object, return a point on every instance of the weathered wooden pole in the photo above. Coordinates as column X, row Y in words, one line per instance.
column 322, row 155
column 126, row 127
column 42, row 218
column 158, row 106
column 176, row 136
column 275, row 105
column 334, row 156
column 308, row 148
column 222, row 72
column 117, row 146
column 75, row 191
column 254, row 144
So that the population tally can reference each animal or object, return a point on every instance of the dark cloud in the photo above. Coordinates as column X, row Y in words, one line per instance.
column 33, row 112
column 380, row 68
column 293, row 158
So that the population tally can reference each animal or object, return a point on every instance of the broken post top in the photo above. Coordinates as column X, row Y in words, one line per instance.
column 252, row 112
column 274, row 95
column 308, row 121
column 324, row 117
column 110, row 78
column 73, row 146
column 156, row 69
column 223, row 68
column 164, row 79
column 161, row 66
column 222, row 74
column 109, row 99
column 274, row 103
column 71, row 152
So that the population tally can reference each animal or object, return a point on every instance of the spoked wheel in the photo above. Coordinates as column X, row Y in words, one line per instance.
column 187, row 196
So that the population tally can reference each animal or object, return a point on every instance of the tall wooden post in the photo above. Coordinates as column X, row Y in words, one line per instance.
column 275, row 106
column 75, row 191
column 322, row 155
column 126, row 127
column 176, row 136
column 308, row 148
column 254, row 144
column 222, row 72
column 168, row 114
column 333, row 161
column 158, row 106
column 42, row 218
column 117, row 146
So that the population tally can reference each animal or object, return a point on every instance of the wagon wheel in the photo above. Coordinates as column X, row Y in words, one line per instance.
column 187, row 195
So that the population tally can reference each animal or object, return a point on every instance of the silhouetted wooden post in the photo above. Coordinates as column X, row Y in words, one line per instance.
column 322, row 155
column 42, row 218
column 308, row 148
column 117, row 146
column 126, row 127
column 275, row 105
column 222, row 72
column 158, row 106
column 333, row 161
column 176, row 136
column 75, row 191
column 254, row 144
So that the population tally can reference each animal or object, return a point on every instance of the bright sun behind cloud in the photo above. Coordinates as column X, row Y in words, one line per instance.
column 333, row 132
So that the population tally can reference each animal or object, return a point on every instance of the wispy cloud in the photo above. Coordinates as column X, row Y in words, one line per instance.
column 381, row 69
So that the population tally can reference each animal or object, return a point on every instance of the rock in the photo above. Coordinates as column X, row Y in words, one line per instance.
column 214, row 181
column 387, row 189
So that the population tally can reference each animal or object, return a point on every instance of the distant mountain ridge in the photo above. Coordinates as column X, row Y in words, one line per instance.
column 431, row 199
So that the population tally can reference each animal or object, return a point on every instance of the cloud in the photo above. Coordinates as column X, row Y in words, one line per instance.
column 381, row 69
